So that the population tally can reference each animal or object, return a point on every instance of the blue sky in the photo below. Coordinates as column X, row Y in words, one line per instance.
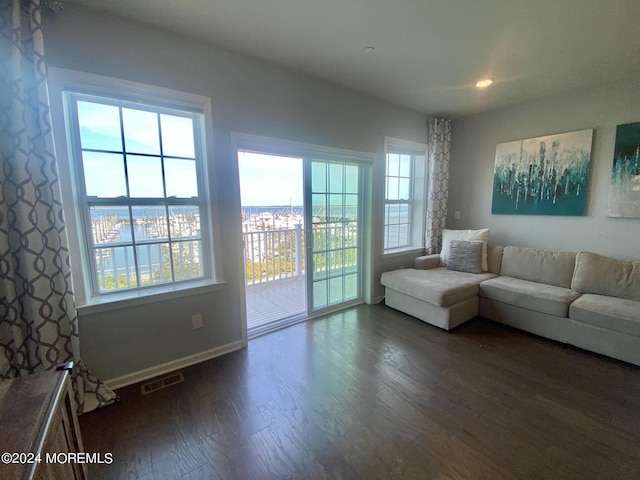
column 270, row 180
column 264, row 179
column 100, row 130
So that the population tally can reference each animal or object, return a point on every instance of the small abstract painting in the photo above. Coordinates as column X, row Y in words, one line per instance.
column 543, row 175
column 624, row 194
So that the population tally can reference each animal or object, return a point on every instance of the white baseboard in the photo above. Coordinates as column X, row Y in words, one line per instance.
column 377, row 299
column 151, row 372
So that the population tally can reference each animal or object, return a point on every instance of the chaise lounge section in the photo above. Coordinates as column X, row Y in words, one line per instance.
column 436, row 295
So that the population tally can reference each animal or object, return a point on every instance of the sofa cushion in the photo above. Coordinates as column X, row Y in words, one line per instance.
column 606, row 276
column 438, row 286
column 494, row 258
column 543, row 266
column 481, row 235
column 612, row 313
column 530, row 295
column 465, row 256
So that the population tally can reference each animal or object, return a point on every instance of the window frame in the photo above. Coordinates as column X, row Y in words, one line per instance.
column 63, row 86
column 417, row 194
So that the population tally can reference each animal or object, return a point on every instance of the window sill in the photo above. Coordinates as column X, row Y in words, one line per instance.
column 116, row 301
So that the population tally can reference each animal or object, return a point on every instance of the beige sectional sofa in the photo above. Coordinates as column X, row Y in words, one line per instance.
column 582, row 299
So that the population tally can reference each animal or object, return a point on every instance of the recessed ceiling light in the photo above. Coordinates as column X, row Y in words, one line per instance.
column 369, row 49
column 484, row 83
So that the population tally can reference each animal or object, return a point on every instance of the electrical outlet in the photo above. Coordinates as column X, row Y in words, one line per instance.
column 196, row 321
column 456, row 215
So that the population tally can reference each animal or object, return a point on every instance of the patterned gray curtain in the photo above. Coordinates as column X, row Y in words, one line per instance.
column 38, row 321
column 439, row 138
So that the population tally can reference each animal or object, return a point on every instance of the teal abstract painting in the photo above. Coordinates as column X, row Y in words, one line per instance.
column 546, row 175
column 624, row 194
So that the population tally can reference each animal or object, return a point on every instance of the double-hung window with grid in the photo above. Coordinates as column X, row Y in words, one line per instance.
column 404, row 202
column 139, row 180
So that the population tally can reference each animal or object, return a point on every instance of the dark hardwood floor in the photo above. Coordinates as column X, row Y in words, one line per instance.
column 372, row 393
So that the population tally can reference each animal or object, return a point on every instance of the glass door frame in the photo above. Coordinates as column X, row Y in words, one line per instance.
column 329, row 249
column 366, row 161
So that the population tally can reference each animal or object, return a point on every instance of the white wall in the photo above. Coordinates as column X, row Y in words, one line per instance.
column 247, row 96
column 473, row 148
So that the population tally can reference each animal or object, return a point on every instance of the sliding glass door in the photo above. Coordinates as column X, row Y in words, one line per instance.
column 303, row 242
column 334, row 220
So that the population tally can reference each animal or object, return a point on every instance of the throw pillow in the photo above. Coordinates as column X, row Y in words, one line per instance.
column 465, row 256
column 481, row 235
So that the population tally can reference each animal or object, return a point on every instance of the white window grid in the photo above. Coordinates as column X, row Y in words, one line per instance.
column 174, row 247
column 399, row 179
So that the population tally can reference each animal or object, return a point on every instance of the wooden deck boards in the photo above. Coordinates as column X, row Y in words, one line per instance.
column 274, row 301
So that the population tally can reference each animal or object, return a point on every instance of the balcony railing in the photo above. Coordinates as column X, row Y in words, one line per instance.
column 272, row 255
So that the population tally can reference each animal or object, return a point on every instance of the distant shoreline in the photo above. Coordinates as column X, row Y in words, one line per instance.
column 273, row 209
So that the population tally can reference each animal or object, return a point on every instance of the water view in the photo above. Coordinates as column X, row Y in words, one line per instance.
column 164, row 242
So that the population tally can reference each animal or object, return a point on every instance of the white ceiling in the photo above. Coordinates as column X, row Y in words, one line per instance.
column 428, row 53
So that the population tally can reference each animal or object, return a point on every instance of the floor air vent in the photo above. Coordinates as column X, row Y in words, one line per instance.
column 162, row 382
